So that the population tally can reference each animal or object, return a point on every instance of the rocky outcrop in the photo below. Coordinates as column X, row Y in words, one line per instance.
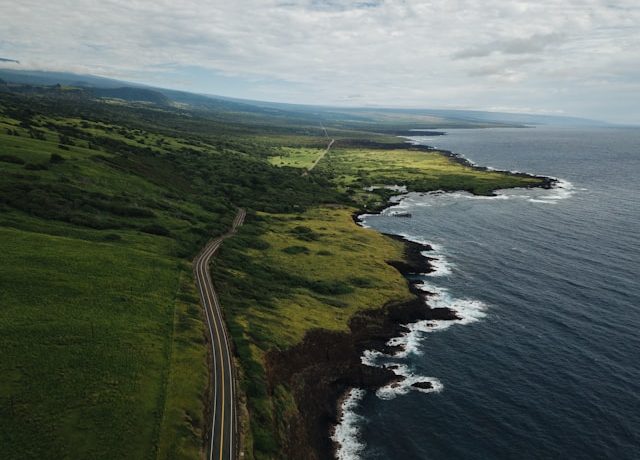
column 326, row 364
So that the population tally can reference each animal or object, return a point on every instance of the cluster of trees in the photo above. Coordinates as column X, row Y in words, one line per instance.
column 208, row 167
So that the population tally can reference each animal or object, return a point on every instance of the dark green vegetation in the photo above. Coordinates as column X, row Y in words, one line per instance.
column 102, row 204
column 101, row 332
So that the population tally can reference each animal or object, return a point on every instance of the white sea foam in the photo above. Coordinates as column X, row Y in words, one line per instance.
column 392, row 210
column 467, row 310
column 409, row 342
column 561, row 190
column 439, row 265
column 394, row 188
column 371, row 357
column 362, row 220
column 346, row 432
column 406, row 384
column 418, row 240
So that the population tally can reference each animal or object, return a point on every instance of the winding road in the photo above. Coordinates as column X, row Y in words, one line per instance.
column 222, row 440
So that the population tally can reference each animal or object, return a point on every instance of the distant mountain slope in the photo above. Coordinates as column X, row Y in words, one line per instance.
column 129, row 93
column 396, row 120
column 37, row 77
column 124, row 93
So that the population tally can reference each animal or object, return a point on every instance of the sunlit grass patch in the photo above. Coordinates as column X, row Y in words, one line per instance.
column 419, row 170
column 297, row 157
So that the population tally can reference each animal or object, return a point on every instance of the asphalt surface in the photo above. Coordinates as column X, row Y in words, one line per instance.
column 222, row 440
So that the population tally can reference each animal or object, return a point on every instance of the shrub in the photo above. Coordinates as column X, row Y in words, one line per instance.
column 11, row 159
column 56, row 158
column 361, row 282
column 296, row 250
column 304, row 233
column 155, row 229
column 331, row 287
column 35, row 167
column 256, row 243
column 335, row 302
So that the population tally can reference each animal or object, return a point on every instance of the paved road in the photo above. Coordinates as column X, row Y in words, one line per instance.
column 222, row 438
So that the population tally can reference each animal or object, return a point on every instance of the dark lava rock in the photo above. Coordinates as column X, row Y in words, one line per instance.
column 423, row 385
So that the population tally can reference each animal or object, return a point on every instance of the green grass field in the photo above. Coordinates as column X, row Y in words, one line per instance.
column 355, row 169
column 100, row 326
column 86, row 334
column 297, row 157
column 331, row 258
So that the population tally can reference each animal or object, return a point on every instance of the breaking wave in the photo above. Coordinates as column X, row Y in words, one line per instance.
column 346, row 432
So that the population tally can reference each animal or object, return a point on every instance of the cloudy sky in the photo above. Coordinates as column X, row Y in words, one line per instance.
column 545, row 56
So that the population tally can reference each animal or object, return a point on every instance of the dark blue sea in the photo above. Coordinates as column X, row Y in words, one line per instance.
column 545, row 361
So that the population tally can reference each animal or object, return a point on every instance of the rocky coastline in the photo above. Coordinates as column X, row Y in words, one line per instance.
column 327, row 364
column 547, row 182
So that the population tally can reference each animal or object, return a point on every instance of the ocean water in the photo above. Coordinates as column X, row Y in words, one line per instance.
column 545, row 361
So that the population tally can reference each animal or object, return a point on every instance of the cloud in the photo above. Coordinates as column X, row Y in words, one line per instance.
column 530, row 45
column 342, row 5
column 462, row 53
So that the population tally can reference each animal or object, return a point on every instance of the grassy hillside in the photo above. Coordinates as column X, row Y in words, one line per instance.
column 102, row 205
column 86, row 336
column 285, row 274
column 99, row 321
column 104, row 351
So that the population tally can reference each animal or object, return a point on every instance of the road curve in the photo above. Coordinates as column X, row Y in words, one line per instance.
column 221, row 441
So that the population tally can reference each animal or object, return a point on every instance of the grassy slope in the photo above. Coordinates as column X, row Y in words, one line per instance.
column 103, row 350
column 286, row 274
column 85, row 340
column 121, row 197
column 181, row 431
column 331, row 262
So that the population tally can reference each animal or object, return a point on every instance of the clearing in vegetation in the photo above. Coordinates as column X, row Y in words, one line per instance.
column 300, row 157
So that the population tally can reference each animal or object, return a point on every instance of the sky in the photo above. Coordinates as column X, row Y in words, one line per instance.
column 565, row 57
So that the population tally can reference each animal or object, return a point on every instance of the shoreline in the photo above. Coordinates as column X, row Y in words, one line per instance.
column 326, row 366
column 547, row 182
